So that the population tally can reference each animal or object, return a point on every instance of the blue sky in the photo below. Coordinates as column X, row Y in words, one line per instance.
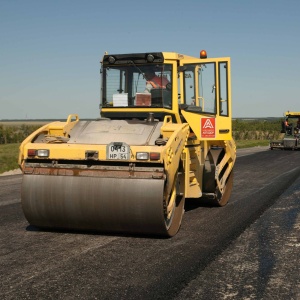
column 50, row 51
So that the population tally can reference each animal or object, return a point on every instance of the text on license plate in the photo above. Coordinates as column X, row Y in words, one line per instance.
column 118, row 151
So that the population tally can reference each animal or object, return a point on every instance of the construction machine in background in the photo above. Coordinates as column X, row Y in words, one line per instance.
column 291, row 132
column 130, row 170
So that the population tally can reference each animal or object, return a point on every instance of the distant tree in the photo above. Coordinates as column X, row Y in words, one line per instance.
column 15, row 134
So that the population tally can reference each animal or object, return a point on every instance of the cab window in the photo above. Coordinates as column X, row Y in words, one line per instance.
column 200, row 87
column 223, row 94
column 137, row 86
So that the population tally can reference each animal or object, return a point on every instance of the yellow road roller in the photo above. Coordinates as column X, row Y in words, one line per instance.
column 290, row 128
column 164, row 134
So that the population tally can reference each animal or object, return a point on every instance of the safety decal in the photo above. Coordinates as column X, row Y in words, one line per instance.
column 208, row 127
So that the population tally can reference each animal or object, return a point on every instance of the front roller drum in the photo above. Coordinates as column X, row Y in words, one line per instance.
column 100, row 204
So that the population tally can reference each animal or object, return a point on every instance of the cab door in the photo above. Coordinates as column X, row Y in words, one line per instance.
column 207, row 98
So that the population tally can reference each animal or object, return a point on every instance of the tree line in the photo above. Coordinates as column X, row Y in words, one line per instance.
column 15, row 133
column 256, row 129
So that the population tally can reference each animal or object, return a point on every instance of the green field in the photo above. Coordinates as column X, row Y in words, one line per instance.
column 251, row 143
column 9, row 157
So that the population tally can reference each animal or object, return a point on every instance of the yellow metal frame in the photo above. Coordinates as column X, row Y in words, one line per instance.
column 292, row 114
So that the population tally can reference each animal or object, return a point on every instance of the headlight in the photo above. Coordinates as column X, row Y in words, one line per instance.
column 42, row 153
column 39, row 152
column 142, row 155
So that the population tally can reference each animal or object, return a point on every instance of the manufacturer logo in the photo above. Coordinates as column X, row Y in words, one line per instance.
column 208, row 127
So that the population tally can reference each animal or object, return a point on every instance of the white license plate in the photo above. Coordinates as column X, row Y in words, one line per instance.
column 120, row 151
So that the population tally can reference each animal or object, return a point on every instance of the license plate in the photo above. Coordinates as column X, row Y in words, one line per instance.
column 119, row 151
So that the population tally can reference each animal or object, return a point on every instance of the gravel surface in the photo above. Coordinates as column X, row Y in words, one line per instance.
column 263, row 262
column 11, row 172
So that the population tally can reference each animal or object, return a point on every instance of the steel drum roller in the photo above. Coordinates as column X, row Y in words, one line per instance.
column 91, row 203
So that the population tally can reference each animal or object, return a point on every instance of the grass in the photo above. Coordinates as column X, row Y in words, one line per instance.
column 9, row 153
column 9, row 157
column 251, row 143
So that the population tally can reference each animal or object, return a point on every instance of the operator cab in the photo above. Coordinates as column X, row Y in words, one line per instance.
column 189, row 89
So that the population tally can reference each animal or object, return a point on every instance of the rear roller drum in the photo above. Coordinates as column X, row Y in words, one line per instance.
column 210, row 188
column 222, row 199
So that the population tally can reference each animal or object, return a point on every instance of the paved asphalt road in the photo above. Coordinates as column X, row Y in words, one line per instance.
column 248, row 249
